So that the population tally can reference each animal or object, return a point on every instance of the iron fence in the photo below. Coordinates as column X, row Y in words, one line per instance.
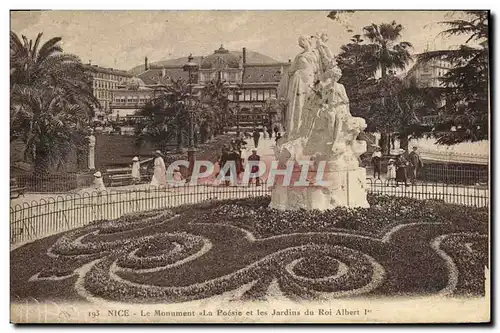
column 446, row 173
column 38, row 219
column 477, row 196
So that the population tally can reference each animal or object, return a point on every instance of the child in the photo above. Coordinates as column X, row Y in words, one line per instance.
column 136, row 170
column 98, row 184
column 391, row 171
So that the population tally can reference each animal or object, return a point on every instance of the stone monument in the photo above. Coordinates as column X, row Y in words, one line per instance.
column 91, row 160
column 320, row 133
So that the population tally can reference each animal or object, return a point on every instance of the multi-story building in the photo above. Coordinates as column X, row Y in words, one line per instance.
column 128, row 98
column 104, row 82
column 250, row 85
column 427, row 74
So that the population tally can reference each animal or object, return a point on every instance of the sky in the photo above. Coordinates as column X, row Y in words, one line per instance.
column 121, row 39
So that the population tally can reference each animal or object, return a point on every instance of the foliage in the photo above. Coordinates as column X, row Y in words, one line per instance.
column 165, row 117
column 466, row 85
column 51, row 101
column 387, row 51
column 217, row 111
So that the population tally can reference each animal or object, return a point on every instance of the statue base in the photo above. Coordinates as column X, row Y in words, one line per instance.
column 346, row 188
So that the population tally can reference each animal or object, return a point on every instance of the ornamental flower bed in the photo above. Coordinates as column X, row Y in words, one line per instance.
column 398, row 246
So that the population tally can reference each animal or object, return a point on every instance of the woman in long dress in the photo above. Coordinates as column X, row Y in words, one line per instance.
column 136, row 170
column 160, row 171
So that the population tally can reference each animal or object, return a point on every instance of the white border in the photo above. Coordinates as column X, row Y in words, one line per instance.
column 193, row 4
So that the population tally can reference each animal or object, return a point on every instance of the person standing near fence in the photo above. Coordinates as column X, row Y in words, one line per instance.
column 401, row 170
column 377, row 162
column 136, row 170
column 391, row 171
column 98, row 184
column 253, row 160
column 160, row 171
column 415, row 165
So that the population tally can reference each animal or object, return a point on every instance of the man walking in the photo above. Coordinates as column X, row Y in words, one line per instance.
column 416, row 164
column 256, row 137
column 253, row 160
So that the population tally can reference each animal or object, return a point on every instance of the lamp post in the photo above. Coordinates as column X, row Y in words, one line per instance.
column 237, row 94
column 190, row 67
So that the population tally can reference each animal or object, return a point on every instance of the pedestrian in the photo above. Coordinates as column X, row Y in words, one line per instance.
column 178, row 175
column 377, row 162
column 98, row 184
column 415, row 165
column 256, row 137
column 278, row 136
column 391, row 171
column 276, row 130
column 264, row 132
column 253, row 160
column 270, row 132
column 136, row 170
column 160, row 171
column 401, row 170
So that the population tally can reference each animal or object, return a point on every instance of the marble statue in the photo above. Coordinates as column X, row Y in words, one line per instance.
column 321, row 131
column 91, row 160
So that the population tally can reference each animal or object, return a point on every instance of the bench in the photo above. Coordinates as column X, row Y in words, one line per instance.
column 118, row 177
column 16, row 189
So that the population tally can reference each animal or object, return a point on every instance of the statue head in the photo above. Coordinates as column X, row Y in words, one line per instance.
column 324, row 37
column 304, row 42
column 334, row 73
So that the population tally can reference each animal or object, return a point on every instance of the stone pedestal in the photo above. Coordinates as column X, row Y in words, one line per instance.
column 342, row 188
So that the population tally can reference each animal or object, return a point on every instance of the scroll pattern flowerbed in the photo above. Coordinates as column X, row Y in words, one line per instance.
column 241, row 249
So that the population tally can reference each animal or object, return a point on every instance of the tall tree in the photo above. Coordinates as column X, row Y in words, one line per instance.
column 388, row 51
column 51, row 100
column 215, row 96
column 466, row 85
column 166, row 116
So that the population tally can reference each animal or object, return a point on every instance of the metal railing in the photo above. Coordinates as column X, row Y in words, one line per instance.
column 477, row 196
column 38, row 219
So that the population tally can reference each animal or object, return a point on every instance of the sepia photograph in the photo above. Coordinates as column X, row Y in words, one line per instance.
column 257, row 166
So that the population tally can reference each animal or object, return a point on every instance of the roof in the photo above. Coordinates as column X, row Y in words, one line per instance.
column 96, row 68
column 152, row 76
column 221, row 58
column 260, row 73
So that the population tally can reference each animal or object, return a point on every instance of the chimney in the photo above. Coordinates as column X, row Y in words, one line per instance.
column 244, row 55
column 289, row 61
column 146, row 63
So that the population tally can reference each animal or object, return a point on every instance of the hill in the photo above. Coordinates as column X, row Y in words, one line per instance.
column 252, row 58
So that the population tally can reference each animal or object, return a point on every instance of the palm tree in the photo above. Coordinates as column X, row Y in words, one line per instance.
column 165, row 116
column 215, row 96
column 51, row 100
column 388, row 52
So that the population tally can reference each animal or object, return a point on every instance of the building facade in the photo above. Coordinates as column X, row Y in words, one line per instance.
column 424, row 75
column 104, row 82
column 250, row 85
column 128, row 98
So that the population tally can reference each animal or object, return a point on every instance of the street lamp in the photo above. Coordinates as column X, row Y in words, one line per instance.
column 237, row 94
column 191, row 68
column 270, row 104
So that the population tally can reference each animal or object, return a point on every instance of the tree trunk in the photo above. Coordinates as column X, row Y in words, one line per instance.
column 404, row 142
column 384, row 143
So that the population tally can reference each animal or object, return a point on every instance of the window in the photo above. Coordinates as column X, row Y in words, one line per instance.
column 247, row 95
column 260, row 95
column 273, row 93
column 254, row 95
column 266, row 94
